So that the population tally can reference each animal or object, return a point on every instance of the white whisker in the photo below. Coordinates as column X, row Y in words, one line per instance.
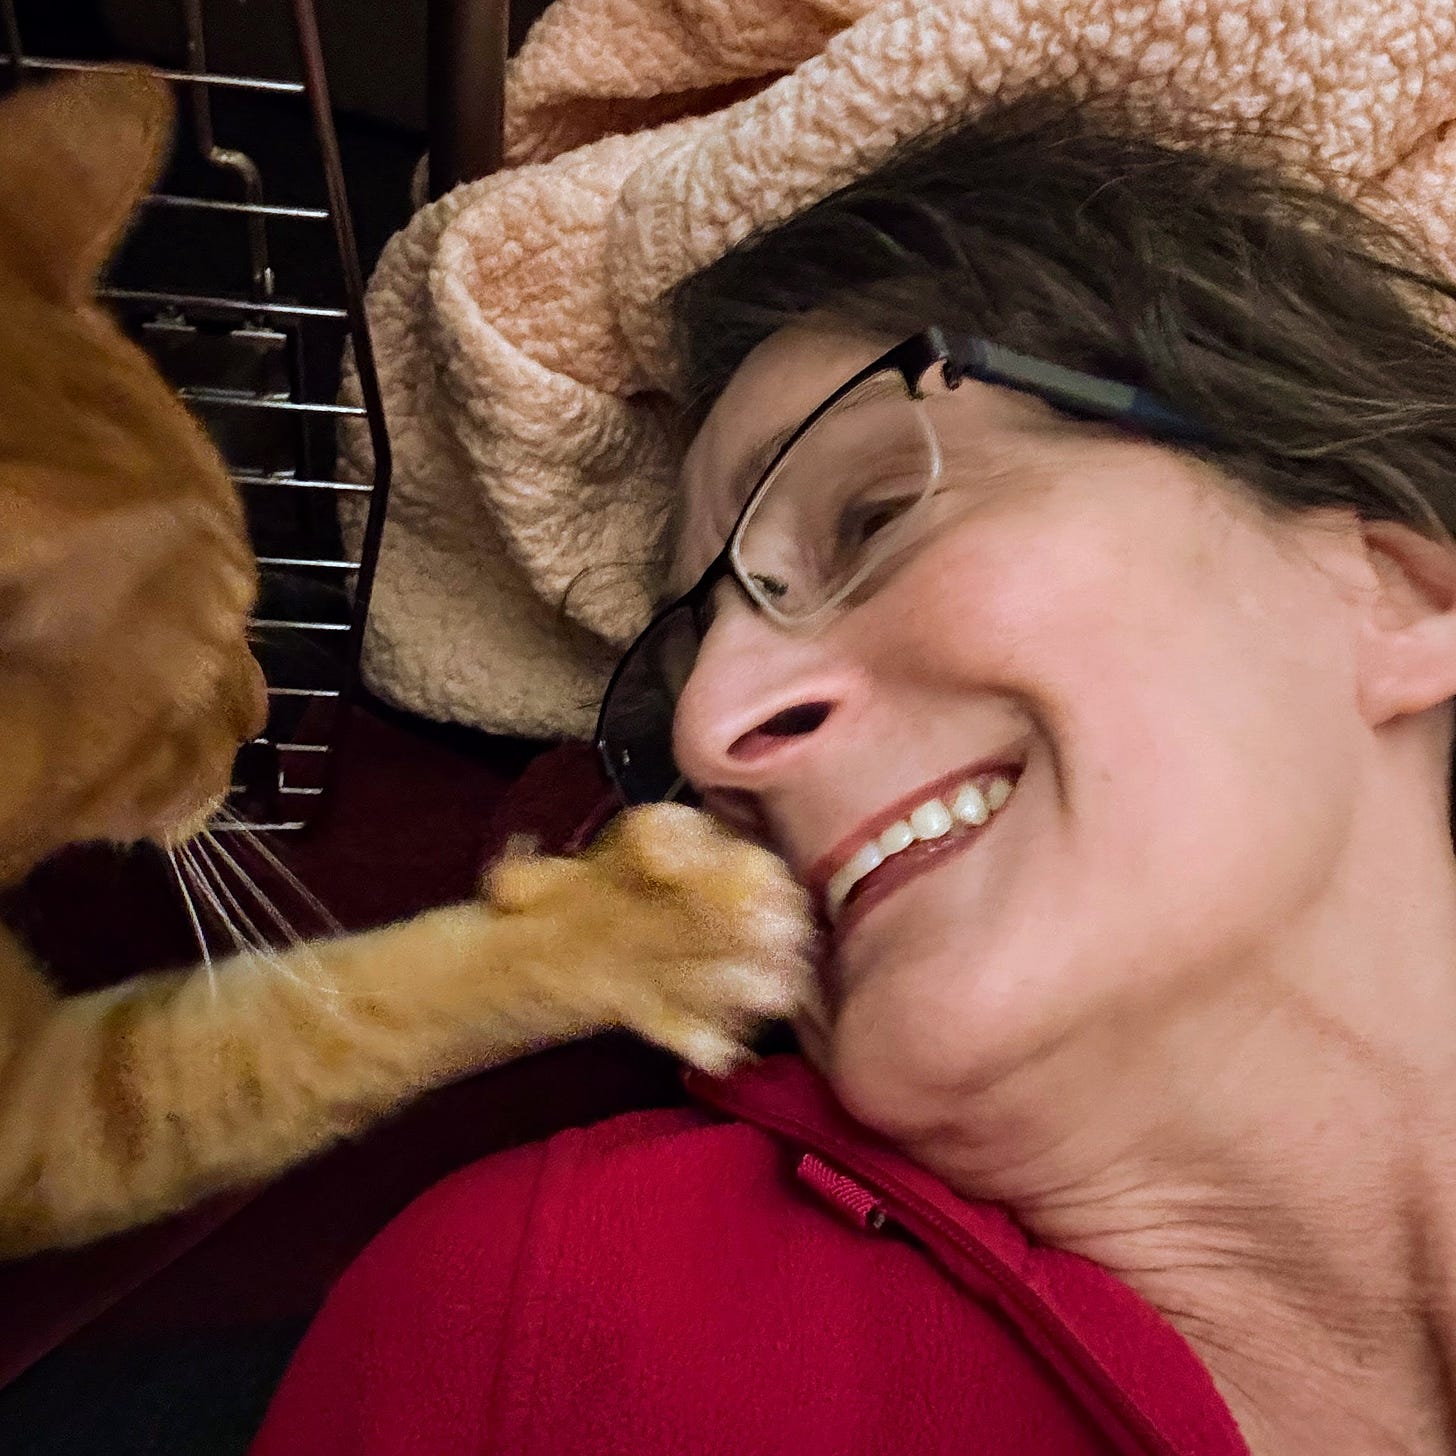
column 203, row 886
column 301, row 949
column 192, row 916
column 255, row 841
column 205, row 847
column 250, row 941
column 262, row 947
column 264, row 902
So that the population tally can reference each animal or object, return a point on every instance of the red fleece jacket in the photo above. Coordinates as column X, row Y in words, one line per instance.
column 761, row 1277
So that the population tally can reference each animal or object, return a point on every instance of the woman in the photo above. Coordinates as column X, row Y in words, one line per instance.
column 1085, row 636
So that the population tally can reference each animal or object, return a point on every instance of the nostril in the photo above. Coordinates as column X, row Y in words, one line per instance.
column 795, row 722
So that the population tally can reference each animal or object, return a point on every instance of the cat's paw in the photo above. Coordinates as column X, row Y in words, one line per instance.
column 673, row 927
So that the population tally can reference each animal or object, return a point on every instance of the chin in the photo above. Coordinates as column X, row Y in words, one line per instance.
column 896, row 1064
column 916, row 1037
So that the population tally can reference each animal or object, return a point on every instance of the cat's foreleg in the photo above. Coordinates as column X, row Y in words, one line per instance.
column 130, row 1103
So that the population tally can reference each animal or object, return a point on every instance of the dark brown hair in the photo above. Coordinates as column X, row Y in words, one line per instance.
column 1302, row 330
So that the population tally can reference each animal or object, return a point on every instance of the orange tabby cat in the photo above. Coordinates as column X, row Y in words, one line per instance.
column 125, row 688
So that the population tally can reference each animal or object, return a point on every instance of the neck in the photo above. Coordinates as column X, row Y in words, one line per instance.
column 1276, row 1173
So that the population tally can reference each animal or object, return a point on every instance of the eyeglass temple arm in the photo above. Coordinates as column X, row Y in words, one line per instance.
column 969, row 357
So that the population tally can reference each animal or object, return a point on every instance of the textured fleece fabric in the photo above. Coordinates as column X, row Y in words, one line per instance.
column 518, row 323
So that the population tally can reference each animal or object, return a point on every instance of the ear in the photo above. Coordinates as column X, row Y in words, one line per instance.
column 1408, row 651
column 76, row 155
column 63, row 578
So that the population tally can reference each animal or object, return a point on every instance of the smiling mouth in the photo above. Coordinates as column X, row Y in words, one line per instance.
column 942, row 819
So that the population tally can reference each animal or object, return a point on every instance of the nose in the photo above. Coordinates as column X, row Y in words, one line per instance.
column 254, row 698
column 757, row 701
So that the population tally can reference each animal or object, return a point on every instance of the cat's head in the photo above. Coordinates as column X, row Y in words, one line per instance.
column 126, row 683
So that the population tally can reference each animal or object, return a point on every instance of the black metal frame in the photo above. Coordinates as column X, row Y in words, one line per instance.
column 282, row 776
column 467, row 45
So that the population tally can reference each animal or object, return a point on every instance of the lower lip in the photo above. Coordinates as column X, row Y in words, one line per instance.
column 906, row 865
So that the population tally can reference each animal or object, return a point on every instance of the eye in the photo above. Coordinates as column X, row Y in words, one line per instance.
column 770, row 586
column 861, row 522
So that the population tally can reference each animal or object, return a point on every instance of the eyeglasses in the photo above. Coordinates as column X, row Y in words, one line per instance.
column 851, row 489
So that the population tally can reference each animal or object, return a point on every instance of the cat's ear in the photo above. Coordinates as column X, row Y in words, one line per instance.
column 76, row 156
column 65, row 575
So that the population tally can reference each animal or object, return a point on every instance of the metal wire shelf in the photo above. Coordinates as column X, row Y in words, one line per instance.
column 257, row 360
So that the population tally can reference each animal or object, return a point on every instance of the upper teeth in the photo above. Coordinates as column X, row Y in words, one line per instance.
column 970, row 804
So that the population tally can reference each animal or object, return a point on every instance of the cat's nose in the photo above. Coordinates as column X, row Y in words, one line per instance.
column 255, row 699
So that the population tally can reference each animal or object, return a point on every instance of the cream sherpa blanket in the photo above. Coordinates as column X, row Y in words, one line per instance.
column 516, row 320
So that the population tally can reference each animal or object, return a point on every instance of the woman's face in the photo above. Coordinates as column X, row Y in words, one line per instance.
column 1167, row 673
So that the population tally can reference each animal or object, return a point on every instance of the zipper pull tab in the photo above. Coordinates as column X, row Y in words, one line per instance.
column 852, row 1201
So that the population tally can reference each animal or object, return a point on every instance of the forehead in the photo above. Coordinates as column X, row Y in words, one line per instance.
column 780, row 382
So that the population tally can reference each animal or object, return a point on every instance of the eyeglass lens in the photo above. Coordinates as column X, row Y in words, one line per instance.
column 838, row 502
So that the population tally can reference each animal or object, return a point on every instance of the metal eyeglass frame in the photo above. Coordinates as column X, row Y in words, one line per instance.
column 965, row 356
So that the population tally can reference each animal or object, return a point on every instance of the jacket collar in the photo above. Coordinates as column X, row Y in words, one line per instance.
column 1128, row 1365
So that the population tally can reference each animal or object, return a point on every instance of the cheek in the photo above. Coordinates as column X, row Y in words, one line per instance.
column 1052, row 621
column 1169, row 626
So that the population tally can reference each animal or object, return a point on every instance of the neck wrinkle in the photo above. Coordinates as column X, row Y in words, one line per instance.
column 1304, row 1246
